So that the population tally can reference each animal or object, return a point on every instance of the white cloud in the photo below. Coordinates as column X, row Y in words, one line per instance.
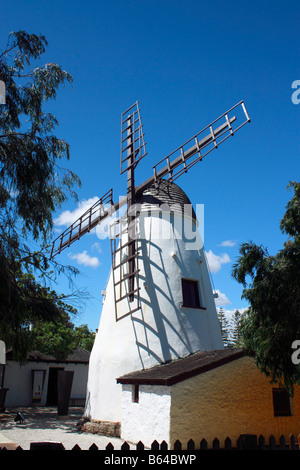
column 228, row 243
column 97, row 246
column 68, row 217
column 215, row 261
column 85, row 259
column 221, row 299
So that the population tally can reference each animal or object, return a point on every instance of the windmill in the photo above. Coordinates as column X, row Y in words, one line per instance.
column 133, row 149
column 156, row 289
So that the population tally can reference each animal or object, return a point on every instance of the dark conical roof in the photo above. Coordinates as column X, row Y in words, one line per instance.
column 168, row 194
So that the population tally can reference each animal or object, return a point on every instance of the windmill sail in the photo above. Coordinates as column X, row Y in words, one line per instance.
column 171, row 167
column 85, row 223
column 133, row 146
column 198, row 146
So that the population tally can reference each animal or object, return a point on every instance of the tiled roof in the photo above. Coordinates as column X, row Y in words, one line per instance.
column 79, row 356
column 182, row 369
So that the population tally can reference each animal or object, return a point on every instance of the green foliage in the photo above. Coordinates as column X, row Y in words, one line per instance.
column 84, row 337
column 272, row 288
column 61, row 338
column 231, row 329
column 236, row 338
column 32, row 186
column 224, row 326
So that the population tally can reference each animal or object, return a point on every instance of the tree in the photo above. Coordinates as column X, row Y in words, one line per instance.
column 236, row 339
column 84, row 337
column 224, row 325
column 32, row 186
column 272, row 288
column 61, row 338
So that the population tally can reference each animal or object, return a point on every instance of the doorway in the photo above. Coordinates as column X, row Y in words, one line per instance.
column 52, row 394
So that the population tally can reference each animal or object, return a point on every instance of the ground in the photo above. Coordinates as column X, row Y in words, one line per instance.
column 43, row 424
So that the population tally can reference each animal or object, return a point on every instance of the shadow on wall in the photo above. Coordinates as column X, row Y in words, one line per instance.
column 159, row 292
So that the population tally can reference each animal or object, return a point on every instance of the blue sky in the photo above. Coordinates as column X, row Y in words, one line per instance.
column 186, row 63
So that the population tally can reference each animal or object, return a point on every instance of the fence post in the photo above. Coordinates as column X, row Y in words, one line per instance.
column 177, row 445
column 282, row 443
column 272, row 443
column 294, row 446
column 93, row 447
column 216, row 444
column 76, row 447
column 228, row 443
column 155, row 445
column 125, row 446
column 248, row 441
column 191, row 445
column 203, row 444
column 163, row 445
column 109, row 446
column 261, row 443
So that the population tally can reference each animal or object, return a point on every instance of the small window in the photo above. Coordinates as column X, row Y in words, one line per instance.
column 281, row 402
column 135, row 393
column 190, row 293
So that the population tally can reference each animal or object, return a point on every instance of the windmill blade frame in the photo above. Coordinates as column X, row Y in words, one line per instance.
column 85, row 223
column 211, row 141
column 181, row 159
column 133, row 145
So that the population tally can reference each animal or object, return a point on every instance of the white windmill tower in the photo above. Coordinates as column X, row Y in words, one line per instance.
column 159, row 304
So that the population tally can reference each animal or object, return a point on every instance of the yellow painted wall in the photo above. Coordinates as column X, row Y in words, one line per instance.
column 230, row 400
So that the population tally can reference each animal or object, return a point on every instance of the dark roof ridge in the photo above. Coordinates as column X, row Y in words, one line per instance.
column 78, row 356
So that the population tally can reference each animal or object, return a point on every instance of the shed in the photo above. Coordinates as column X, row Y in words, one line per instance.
column 206, row 395
column 35, row 382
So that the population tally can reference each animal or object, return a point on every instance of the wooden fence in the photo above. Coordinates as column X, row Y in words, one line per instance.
column 244, row 442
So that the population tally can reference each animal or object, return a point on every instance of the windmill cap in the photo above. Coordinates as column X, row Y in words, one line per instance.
column 166, row 195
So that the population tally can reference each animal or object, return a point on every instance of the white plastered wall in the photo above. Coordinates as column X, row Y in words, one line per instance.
column 18, row 379
column 149, row 419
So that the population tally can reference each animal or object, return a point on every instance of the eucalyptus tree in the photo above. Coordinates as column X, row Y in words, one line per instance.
column 33, row 184
column 272, row 288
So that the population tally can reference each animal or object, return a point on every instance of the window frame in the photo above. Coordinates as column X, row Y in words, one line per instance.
column 197, row 295
column 135, row 393
column 282, row 406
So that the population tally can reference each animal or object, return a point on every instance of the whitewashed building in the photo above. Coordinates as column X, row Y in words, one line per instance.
column 36, row 381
